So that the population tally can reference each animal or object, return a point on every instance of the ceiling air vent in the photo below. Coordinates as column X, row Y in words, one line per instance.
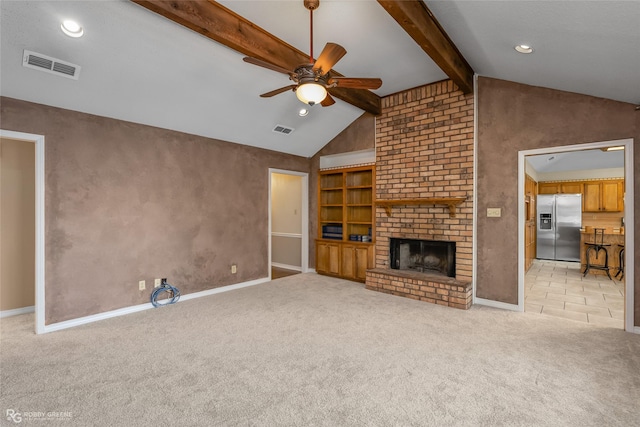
column 41, row 62
column 283, row 129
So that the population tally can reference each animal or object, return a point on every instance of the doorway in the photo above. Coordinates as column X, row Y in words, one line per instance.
column 39, row 258
column 572, row 270
column 288, row 223
column 17, row 218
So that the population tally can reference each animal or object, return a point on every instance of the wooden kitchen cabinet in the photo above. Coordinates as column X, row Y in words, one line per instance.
column 606, row 195
column 548, row 188
column 570, row 187
column 530, row 189
column 603, row 196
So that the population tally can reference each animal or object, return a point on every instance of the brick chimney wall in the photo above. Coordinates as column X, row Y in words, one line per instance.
column 424, row 149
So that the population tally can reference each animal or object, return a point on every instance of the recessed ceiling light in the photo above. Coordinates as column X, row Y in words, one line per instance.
column 71, row 28
column 523, row 48
column 303, row 112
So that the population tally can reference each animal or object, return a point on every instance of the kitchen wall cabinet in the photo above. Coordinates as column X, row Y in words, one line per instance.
column 560, row 187
column 605, row 195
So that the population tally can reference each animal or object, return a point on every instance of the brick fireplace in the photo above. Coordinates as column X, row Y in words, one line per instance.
column 424, row 160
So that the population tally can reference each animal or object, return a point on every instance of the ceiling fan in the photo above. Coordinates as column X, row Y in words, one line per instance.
column 313, row 80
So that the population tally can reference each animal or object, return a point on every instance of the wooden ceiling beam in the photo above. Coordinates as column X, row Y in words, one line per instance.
column 418, row 21
column 212, row 20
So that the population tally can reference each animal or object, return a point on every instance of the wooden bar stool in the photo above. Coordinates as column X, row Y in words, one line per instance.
column 598, row 234
column 620, row 263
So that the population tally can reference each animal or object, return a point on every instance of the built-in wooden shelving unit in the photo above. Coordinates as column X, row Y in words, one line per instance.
column 452, row 202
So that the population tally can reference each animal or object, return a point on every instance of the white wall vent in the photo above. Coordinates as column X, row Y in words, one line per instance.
column 45, row 63
column 283, row 129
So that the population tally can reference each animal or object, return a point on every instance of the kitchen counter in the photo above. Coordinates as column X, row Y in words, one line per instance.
column 613, row 237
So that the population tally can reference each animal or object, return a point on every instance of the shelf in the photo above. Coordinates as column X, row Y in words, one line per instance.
column 452, row 202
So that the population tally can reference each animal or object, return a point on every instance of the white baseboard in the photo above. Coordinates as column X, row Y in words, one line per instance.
column 310, row 270
column 286, row 266
column 636, row 330
column 17, row 311
column 497, row 304
column 141, row 307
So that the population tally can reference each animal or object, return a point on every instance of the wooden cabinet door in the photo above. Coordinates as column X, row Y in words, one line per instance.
column 334, row 258
column 591, row 197
column 328, row 258
column 322, row 258
column 611, row 195
column 348, row 262
column 356, row 259
column 362, row 261
column 548, row 188
column 571, row 187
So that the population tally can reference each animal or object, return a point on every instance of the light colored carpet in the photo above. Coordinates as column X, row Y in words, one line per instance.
column 311, row 350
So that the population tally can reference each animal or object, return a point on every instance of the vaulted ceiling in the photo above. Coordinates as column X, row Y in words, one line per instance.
column 140, row 66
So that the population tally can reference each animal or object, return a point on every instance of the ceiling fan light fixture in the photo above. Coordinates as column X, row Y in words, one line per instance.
column 311, row 93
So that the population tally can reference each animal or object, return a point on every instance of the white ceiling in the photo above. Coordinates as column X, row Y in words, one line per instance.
column 577, row 160
column 140, row 67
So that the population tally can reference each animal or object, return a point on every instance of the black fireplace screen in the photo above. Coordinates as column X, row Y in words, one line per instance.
column 425, row 256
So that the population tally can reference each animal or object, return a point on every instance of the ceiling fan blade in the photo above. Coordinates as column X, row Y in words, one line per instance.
column 328, row 100
column 265, row 64
column 277, row 91
column 331, row 54
column 356, row 82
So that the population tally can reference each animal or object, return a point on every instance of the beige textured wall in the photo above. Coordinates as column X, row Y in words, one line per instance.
column 514, row 117
column 360, row 135
column 17, row 224
column 126, row 202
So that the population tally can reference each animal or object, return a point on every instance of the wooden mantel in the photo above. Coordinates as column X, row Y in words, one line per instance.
column 452, row 202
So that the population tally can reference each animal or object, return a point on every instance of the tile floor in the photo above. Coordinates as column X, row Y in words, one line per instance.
column 557, row 288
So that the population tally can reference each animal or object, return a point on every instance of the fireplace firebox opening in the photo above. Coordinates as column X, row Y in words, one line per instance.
column 424, row 256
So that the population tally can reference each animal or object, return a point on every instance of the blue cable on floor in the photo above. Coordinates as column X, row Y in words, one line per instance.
column 165, row 287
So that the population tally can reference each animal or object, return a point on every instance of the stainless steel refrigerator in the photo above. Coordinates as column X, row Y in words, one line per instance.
column 559, row 218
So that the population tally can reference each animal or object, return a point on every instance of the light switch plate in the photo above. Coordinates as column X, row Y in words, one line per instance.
column 494, row 212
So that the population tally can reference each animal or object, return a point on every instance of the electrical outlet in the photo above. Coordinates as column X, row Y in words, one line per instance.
column 157, row 283
column 142, row 284
column 494, row 212
column 234, row 269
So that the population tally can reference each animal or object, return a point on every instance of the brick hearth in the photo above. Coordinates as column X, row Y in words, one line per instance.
column 421, row 286
column 424, row 149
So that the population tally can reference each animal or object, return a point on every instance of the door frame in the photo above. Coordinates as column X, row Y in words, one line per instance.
column 39, row 224
column 629, row 218
column 304, row 217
